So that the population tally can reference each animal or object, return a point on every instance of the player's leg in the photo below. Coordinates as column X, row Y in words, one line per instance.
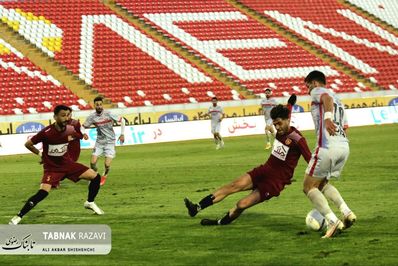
column 93, row 189
column 93, row 162
column 311, row 189
column 269, row 130
column 97, row 151
column 331, row 192
column 250, row 200
column 33, row 200
column 242, row 183
column 220, row 140
column 109, row 152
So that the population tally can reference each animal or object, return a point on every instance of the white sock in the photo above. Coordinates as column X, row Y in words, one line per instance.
column 321, row 204
column 333, row 194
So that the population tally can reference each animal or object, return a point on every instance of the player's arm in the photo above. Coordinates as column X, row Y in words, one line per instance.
column 304, row 149
column 30, row 146
column 85, row 125
column 122, row 127
column 327, row 102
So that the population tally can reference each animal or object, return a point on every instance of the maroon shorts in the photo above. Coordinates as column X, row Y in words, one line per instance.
column 73, row 171
column 267, row 184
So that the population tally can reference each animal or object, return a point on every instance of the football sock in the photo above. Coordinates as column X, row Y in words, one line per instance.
column 206, row 201
column 333, row 194
column 226, row 219
column 93, row 188
column 32, row 202
column 93, row 166
column 107, row 168
column 321, row 204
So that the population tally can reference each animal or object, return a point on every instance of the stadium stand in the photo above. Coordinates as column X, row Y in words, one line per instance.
column 246, row 49
column 129, row 67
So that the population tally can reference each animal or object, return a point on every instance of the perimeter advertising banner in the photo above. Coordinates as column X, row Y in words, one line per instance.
column 195, row 114
column 179, row 131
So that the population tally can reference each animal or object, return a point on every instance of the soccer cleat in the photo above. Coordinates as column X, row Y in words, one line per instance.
column 268, row 146
column 217, row 146
column 334, row 229
column 103, row 180
column 15, row 220
column 92, row 206
column 222, row 144
column 192, row 207
column 349, row 220
column 207, row 222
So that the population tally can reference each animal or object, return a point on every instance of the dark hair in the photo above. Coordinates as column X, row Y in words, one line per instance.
column 280, row 111
column 268, row 89
column 317, row 76
column 214, row 98
column 60, row 107
column 99, row 99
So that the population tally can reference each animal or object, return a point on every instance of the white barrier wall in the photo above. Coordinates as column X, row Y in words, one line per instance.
column 178, row 131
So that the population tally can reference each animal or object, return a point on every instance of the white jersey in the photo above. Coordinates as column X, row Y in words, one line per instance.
column 267, row 105
column 339, row 118
column 215, row 113
column 104, row 123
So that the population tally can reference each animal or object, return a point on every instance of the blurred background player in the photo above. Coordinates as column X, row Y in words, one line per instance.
column 103, row 120
column 265, row 181
column 330, row 154
column 57, row 163
column 216, row 114
column 267, row 104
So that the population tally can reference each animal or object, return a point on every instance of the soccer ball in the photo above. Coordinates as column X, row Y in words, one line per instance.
column 315, row 220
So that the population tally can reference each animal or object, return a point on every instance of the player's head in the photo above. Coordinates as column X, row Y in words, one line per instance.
column 281, row 119
column 315, row 79
column 268, row 93
column 98, row 104
column 62, row 115
column 214, row 100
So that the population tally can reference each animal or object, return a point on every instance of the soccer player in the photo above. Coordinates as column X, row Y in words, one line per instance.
column 57, row 163
column 105, row 143
column 265, row 181
column 74, row 145
column 216, row 113
column 330, row 154
column 267, row 104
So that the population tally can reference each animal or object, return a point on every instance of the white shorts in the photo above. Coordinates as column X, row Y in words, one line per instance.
column 104, row 149
column 268, row 121
column 328, row 163
column 215, row 127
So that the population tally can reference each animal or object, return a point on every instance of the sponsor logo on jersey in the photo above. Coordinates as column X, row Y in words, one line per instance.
column 57, row 149
column 279, row 150
column 288, row 141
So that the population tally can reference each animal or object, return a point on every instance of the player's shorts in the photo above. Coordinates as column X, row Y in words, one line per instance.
column 104, row 149
column 72, row 173
column 268, row 185
column 328, row 162
column 268, row 121
column 215, row 127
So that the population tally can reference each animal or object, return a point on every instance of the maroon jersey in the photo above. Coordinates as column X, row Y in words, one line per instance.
column 55, row 147
column 74, row 145
column 271, row 177
column 286, row 152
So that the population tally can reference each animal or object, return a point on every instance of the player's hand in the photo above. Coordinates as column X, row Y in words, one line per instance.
column 85, row 136
column 70, row 138
column 121, row 139
column 330, row 127
column 292, row 99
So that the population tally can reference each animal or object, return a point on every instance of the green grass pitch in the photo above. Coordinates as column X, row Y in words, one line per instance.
column 143, row 204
